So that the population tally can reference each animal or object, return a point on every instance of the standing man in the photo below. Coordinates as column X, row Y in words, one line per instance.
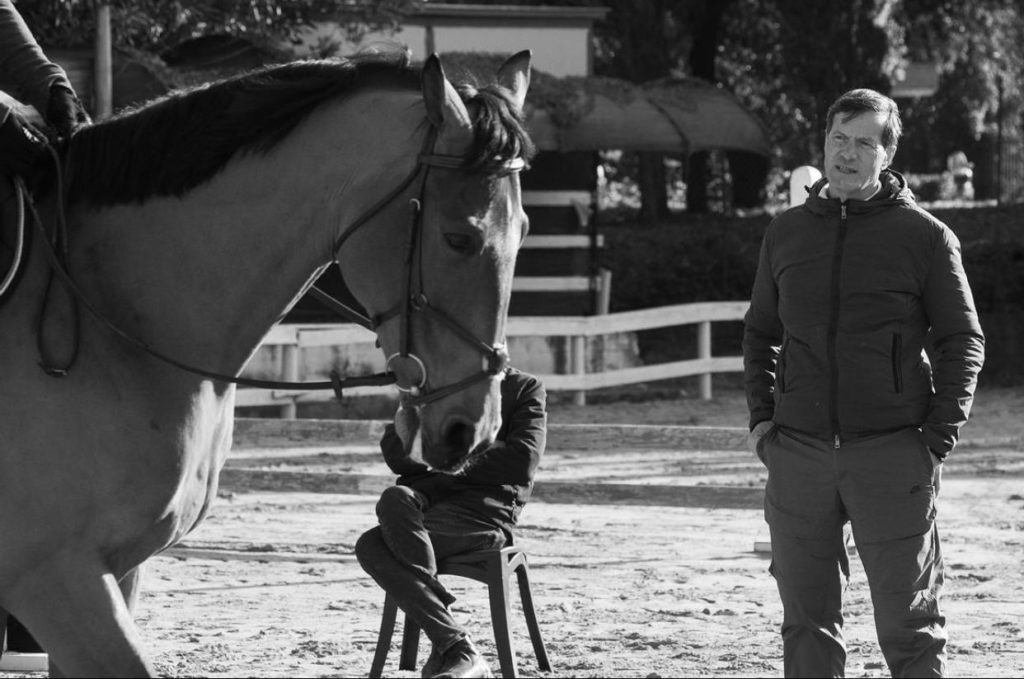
column 428, row 516
column 847, row 413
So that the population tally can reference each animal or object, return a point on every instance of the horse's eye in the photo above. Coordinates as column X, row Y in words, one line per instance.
column 460, row 242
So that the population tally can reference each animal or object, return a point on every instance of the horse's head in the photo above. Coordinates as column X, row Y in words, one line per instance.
column 445, row 341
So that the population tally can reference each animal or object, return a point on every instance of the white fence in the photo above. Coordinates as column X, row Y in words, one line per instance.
column 577, row 329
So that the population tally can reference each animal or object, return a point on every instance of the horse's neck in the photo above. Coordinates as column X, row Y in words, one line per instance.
column 204, row 277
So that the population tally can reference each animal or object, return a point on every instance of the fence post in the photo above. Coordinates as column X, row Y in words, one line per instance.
column 290, row 370
column 704, row 351
column 604, row 291
column 579, row 366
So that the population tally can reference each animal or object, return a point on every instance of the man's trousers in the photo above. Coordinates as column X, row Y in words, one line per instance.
column 885, row 487
column 402, row 553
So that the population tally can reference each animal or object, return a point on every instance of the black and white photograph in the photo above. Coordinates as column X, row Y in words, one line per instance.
column 584, row 338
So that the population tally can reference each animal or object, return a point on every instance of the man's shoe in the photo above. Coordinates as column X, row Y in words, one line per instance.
column 463, row 660
column 433, row 664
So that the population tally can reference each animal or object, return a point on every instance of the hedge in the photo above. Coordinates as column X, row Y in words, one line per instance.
column 713, row 257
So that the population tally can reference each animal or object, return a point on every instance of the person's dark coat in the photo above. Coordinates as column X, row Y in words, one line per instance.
column 498, row 482
column 842, row 305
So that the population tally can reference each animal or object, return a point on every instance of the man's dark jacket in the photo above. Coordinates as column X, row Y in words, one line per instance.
column 843, row 300
column 498, row 482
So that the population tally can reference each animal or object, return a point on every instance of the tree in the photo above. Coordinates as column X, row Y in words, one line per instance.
column 979, row 50
column 789, row 60
column 153, row 26
column 640, row 42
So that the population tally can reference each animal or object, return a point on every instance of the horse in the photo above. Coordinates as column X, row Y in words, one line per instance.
column 193, row 223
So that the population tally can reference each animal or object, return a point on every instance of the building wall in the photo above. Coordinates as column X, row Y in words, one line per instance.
column 558, row 36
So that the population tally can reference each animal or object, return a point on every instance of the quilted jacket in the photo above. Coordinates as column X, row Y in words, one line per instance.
column 846, row 299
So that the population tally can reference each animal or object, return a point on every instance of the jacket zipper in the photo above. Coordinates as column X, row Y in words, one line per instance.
column 833, row 327
column 781, row 367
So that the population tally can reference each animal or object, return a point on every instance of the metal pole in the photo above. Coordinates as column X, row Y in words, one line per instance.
column 290, row 373
column 704, row 351
column 579, row 366
column 999, row 140
column 604, row 291
column 104, row 82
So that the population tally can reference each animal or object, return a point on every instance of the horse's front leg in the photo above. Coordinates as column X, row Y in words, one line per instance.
column 130, row 585
column 77, row 611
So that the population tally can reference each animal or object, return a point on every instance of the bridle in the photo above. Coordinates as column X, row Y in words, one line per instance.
column 415, row 393
column 416, row 301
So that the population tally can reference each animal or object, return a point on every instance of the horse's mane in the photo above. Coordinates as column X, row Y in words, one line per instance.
column 177, row 142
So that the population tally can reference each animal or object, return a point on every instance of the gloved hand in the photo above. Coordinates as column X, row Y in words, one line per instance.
column 64, row 112
column 22, row 149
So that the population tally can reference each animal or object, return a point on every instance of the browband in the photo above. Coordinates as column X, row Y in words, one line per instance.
column 458, row 162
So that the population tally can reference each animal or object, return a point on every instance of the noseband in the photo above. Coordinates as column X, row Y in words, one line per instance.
column 415, row 300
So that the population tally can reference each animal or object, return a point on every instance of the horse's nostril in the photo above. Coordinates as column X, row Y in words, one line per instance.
column 458, row 439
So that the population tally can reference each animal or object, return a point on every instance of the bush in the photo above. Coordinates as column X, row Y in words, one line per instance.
column 714, row 257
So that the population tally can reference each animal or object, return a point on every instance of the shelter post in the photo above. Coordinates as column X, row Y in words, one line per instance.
column 103, row 74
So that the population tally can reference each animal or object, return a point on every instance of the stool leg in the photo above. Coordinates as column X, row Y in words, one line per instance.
column 522, row 575
column 500, row 604
column 387, row 626
column 410, row 645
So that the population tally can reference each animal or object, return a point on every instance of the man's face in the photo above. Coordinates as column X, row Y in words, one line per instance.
column 854, row 155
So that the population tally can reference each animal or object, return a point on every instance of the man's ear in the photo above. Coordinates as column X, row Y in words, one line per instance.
column 890, row 153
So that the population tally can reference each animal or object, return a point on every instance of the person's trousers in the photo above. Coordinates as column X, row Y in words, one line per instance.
column 402, row 553
column 885, row 487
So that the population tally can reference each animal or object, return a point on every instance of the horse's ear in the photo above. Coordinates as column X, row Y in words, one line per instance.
column 442, row 101
column 514, row 75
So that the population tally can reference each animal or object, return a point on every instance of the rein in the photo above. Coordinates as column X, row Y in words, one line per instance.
column 496, row 355
column 18, row 257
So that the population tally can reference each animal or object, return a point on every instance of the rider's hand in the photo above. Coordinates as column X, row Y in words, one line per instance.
column 22, row 149
column 64, row 112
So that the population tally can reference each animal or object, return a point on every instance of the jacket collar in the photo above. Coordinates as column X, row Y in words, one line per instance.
column 894, row 192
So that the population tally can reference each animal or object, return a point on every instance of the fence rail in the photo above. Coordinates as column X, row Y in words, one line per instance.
column 577, row 330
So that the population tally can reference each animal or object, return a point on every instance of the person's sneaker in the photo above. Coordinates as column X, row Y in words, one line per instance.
column 433, row 663
column 463, row 660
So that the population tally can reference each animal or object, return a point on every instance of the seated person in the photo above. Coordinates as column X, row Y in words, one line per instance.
column 429, row 516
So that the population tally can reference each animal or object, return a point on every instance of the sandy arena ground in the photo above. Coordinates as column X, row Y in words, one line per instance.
column 642, row 561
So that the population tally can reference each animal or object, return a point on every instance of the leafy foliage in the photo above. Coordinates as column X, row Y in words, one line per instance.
column 715, row 257
column 566, row 99
column 155, row 25
column 786, row 60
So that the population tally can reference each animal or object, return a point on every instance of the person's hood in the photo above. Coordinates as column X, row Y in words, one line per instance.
column 894, row 193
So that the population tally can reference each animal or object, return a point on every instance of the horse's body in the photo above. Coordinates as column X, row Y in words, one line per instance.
column 107, row 466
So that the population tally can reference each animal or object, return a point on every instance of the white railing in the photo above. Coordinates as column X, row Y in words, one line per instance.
column 577, row 329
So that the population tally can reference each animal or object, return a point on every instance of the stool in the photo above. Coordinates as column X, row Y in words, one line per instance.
column 493, row 567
